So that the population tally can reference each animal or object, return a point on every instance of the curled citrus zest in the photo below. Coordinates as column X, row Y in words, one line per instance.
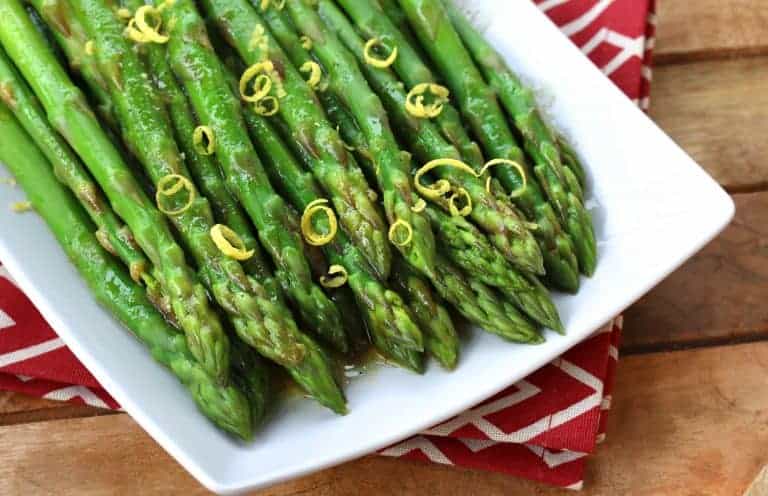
column 454, row 210
column 229, row 243
column 419, row 206
column 315, row 73
column 200, row 136
column 264, row 5
column 375, row 62
column 502, row 161
column 21, row 206
column 163, row 191
column 442, row 186
column 139, row 30
column 414, row 102
column 262, row 84
column 337, row 277
column 311, row 236
column 124, row 13
column 306, row 42
column 394, row 227
column 267, row 106
column 89, row 47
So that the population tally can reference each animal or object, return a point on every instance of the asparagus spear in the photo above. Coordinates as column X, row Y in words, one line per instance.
column 299, row 112
column 494, row 214
column 461, row 241
column 463, row 244
column 203, row 168
column 440, row 337
column 20, row 99
column 113, row 288
column 146, row 131
column 386, row 20
column 558, row 251
column 392, row 328
column 481, row 109
column 71, row 37
column 559, row 182
column 70, row 115
column 393, row 166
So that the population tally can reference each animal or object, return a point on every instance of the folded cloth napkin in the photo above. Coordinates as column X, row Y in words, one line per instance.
column 542, row 428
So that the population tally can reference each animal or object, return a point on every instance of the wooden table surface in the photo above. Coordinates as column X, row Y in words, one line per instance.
column 690, row 410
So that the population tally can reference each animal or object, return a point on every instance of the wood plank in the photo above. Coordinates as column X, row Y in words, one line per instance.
column 710, row 29
column 689, row 422
column 717, row 296
column 717, row 112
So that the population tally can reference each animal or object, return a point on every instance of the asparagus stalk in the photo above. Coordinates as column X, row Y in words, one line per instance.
column 70, row 115
column 385, row 19
column 482, row 111
column 20, row 99
column 113, row 288
column 559, row 182
column 461, row 241
column 393, row 165
column 494, row 214
column 146, row 131
column 440, row 337
column 299, row 112
column 392, row 328
column 203, row 168
column 206, row 83
column 71, row 37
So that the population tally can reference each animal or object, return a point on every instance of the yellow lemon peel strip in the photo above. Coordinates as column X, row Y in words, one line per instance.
column 315, row 73
column 229, row 243
column 262, row 84
column 466, row 209
column 264, row 5
column 124, row 13
column 310, row 235
column 419, row 206
column 199, row 138
column 502, row 161
column 163, row 191
column 337, row 277
column 139, row 30
column 375, row 62
column 89, row 47
column 393, row 229
column 441, row 186
column 414, row 102
column 306, row 42
column 267, row 106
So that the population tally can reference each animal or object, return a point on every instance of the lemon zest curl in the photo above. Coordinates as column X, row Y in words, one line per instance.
column 370, row 59
column 229, row 243
column 337, row 277
column 310, row 235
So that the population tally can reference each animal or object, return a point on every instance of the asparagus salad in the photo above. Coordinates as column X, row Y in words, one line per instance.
column 261, row 189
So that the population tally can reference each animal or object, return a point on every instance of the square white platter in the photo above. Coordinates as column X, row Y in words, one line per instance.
column 653, row 208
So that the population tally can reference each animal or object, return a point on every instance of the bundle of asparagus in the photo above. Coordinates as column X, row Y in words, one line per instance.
column 316, row 132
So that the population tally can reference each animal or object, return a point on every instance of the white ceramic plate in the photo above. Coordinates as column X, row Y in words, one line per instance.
column 653, row 208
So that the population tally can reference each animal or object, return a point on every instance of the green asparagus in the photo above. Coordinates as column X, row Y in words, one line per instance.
column 69, row 114
column 563, row 190
column 415, row 241
column 348, row 190
column 224, row 405
column 482, row 111
column 71, row 37
column 440, row 337
column 391, row 325
column 495, row 214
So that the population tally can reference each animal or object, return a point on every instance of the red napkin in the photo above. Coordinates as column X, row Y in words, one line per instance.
column 543, row 427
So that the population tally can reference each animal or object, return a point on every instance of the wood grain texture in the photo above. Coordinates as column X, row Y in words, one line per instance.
column 717, row 111
column 719, row 295
column 690, row 422
column 707, row 29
